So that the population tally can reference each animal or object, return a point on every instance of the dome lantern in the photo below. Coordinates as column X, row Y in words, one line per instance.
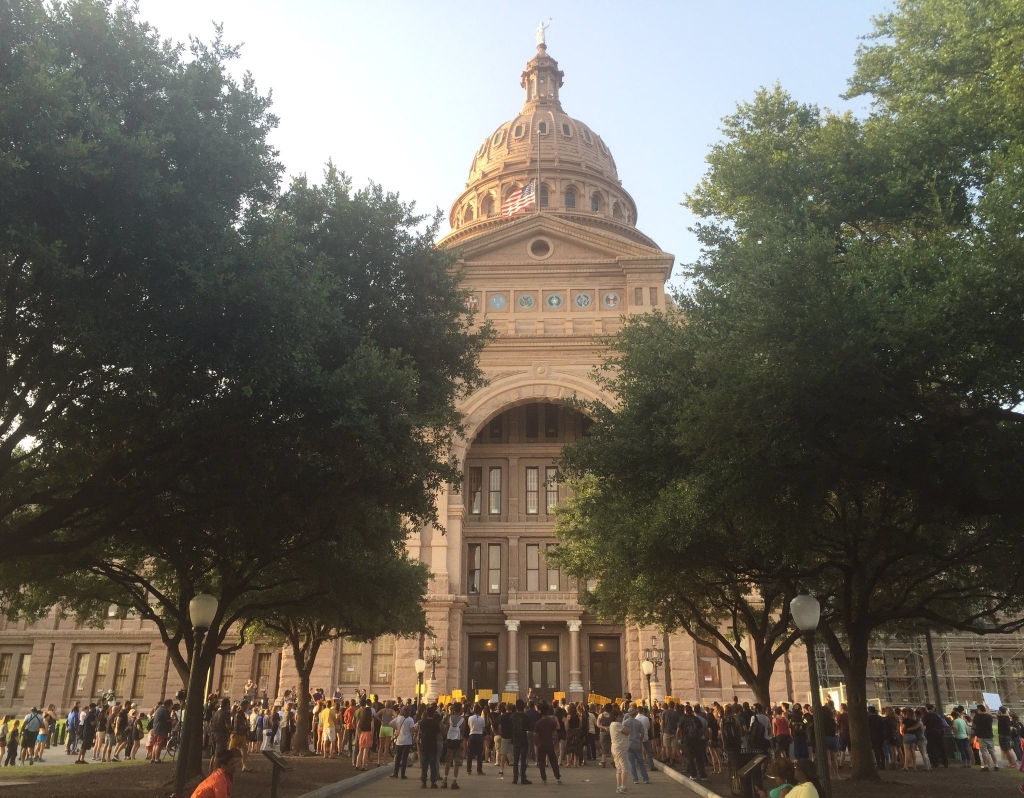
column 542, row 79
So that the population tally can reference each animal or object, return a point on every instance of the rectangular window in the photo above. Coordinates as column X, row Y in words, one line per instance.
column 120, row 674
column 494, row 568
column 21, row 679
column 551, row 488
column 227, row 674
column 263, row 672
column 476, row 479
column 532, row 490
column 5, row 673
column 99, row 679
column 533, row 567
column 709, row 672
column 473, row 570
column 494, row 492
column 351, row 661
column 533, row 421
column 552, row 572
column 383, row 660
column 495, row 429
column 976, row 673
column 81, row 671
column 142, row 665
column 654, row 297
column 638, row 296
column 550, row 421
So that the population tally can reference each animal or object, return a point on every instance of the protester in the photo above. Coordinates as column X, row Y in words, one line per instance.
column 545, row 735
column 218, row 783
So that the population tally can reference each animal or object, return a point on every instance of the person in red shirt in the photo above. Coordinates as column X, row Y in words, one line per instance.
column 218, row 783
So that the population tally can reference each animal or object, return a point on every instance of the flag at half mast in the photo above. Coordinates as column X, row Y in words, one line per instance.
column 519, row 199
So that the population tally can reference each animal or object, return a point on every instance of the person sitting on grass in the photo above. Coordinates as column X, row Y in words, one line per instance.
column 807, row 785
column 218, row 783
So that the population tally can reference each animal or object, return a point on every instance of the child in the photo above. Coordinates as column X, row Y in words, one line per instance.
column 12, row 743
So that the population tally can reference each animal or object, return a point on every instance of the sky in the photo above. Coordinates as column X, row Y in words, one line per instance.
column 403, row 92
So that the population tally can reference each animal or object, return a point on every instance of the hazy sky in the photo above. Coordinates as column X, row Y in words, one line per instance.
column 403, row 92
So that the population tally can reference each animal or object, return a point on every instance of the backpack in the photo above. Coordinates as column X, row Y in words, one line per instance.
column 694, row 728
column 731, row 733
column 758, row 734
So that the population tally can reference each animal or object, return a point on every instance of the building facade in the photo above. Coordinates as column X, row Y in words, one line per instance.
column 553, row 280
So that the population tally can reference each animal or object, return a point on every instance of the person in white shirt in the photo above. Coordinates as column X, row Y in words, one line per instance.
column 477, row 726
column 403, row 740
column 620, row 749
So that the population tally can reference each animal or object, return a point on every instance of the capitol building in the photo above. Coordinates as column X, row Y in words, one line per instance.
column 553, row 280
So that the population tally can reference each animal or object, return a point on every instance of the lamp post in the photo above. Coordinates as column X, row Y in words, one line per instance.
column 648, row 668
column 202, row 610
column 656, row 656
column 432, row 656
column 421, row 665
column 806, row 613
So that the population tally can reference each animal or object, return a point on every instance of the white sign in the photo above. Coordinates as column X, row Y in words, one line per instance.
column 992, row 701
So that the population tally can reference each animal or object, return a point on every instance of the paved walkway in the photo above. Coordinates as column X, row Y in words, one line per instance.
column 589, row 781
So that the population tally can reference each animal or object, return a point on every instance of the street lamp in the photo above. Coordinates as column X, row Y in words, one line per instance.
column 432, row 654
column 648, row 668
column 421, row 665
column 806, row 613
column 202, row 610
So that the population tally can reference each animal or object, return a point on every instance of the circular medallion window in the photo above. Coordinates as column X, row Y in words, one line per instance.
column 540, row 249
column 583, row 300
column 554, row 301
column 526, row 301
column 498, row 301
column 611, row 300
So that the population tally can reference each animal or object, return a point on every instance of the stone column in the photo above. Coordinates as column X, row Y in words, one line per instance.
column 575, row 674
column 512, row 673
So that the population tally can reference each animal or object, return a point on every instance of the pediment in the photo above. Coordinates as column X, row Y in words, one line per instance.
column 570, row 243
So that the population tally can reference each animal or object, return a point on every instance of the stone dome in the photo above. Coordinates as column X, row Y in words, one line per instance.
column 576, row 171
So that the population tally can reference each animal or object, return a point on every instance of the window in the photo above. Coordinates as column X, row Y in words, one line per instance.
column 467, row 215
column 543, row 196
column 552, row 571
column 99, row 679
column 81, row 671
column 533, row 567
column 551, row 488
column 494, row 484
column 263, row 672
column 710, row 674
column 382, row 660
column 497, row 137
column 565, row 130
column 5, row 673
column 489, row 206
column 638, row 296
column 550, row 421
column 977, row 674
column 473, row 569
column 533, row 421
column 494, row 568
column 519, row 130
column 586, row 136
column 494, row 429
column 532, row 490
column 227, row 674
column 21, row 678
column 227, row 666
column 120, row 674
column 654, row 297
column 542, row 127
column 616, row 211
column 570, row 199
column 595, row 203
column 475, row 489
column 351, row 661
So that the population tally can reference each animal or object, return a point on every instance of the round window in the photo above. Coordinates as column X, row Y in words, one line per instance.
column 539, row 248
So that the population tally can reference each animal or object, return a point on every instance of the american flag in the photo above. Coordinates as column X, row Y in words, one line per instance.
column 520, row 198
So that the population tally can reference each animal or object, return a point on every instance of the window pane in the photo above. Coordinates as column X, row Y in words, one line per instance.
column 638, row 294
column 263, row 672
column 550, row 421
column 475, row 489
column 570, row 199
column 351, row 661
column 494, row 507
column 707, row 667
column 532, row 494
column 81, row 671
column 382, row 660
column 494, row 568
column 533, row 567
column 99, row 679
column 142, row 665
column 551, row 488
column 120, row 674
column 654, row 297
column 5, row 672
column 227, row 674
column 533, row 421
column 21, row 680
column 552, row 572
column 495, row 428
column 473, row 570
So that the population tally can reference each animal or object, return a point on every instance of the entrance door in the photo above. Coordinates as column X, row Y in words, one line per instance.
column 483, row 666
column 543, row 667
column 605, row 667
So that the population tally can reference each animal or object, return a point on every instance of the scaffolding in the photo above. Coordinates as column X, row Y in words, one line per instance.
column 967, row 665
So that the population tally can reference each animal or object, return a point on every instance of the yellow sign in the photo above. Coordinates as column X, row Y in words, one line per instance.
column 484, row 695
column 509, row 698
column 559, row 696
column 456, row 694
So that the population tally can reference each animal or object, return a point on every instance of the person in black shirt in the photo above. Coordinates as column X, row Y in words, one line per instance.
column 522, row 733
column 429, row 728
column 933, row 734
column 504, row 744
column 982, row 724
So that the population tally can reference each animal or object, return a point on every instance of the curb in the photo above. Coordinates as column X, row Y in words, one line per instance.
column 347, row 785
column 675, row 775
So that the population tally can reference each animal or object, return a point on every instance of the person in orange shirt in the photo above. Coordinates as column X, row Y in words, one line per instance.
column 350, row 728
column 218, row 783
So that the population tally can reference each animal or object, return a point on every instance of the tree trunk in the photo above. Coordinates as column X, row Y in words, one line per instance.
column 762, row 690
column 190, row 753
column 857, row 705
column 300, row 741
